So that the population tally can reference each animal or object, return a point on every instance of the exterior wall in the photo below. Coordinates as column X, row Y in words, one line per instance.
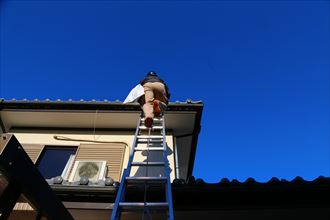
column 33, row 143
column 33, row 138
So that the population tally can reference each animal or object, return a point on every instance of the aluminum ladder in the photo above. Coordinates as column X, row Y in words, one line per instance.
column 149, row 143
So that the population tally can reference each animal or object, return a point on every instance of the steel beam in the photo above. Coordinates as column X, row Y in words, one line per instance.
column 20, row 172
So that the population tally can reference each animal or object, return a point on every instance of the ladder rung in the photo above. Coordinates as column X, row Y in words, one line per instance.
column 126, row 206
column 155, row 119
column 150, row 137
column 142, row 127
column 149, row 148
column 146, row 179
column 150, row 141
column 148, row 163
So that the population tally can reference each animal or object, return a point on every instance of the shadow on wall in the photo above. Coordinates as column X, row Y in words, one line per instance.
column 153, row 156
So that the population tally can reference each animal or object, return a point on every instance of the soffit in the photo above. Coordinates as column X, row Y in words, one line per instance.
column 181, row 123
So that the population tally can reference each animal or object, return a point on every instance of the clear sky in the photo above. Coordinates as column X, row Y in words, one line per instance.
column 260, row 67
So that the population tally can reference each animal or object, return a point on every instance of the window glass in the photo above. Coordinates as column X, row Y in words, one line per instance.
column 53, row 160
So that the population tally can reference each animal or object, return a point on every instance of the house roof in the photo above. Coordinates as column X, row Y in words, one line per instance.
column 196, row 199
column 250, row 193
column 196, row 194
column 93, row 104
column 183, row 119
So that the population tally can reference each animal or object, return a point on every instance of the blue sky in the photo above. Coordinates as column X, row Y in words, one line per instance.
column 260, row 67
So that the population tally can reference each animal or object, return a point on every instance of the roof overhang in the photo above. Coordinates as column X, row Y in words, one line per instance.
column 182, row 119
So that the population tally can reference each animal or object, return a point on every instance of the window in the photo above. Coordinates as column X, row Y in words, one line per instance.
column 53, row 160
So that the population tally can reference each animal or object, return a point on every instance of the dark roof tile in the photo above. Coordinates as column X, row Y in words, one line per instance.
column 298, row 180
column 235, row 182
column 200, row 181
column 322, row 180
column 224, row 182
column 274, row 181
column 178, row 182
column 191, row 180
column 188, row 101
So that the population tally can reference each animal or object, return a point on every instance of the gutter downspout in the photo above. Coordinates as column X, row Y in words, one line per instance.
column 176, row 160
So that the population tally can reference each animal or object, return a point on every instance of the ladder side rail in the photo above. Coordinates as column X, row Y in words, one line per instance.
column 131, row 156
column 120, row 195
column 122, row 189
column 167, row 174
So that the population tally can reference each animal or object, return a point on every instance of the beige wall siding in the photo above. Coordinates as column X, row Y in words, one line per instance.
column 22, row 206
column 33, row 150
column 44, row 137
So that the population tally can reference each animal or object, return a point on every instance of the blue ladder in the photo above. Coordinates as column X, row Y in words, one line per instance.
column 150, row 143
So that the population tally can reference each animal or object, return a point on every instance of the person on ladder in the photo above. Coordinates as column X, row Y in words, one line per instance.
column 155, row 99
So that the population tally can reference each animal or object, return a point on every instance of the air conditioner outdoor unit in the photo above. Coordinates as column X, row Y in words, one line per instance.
column 93, row 169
